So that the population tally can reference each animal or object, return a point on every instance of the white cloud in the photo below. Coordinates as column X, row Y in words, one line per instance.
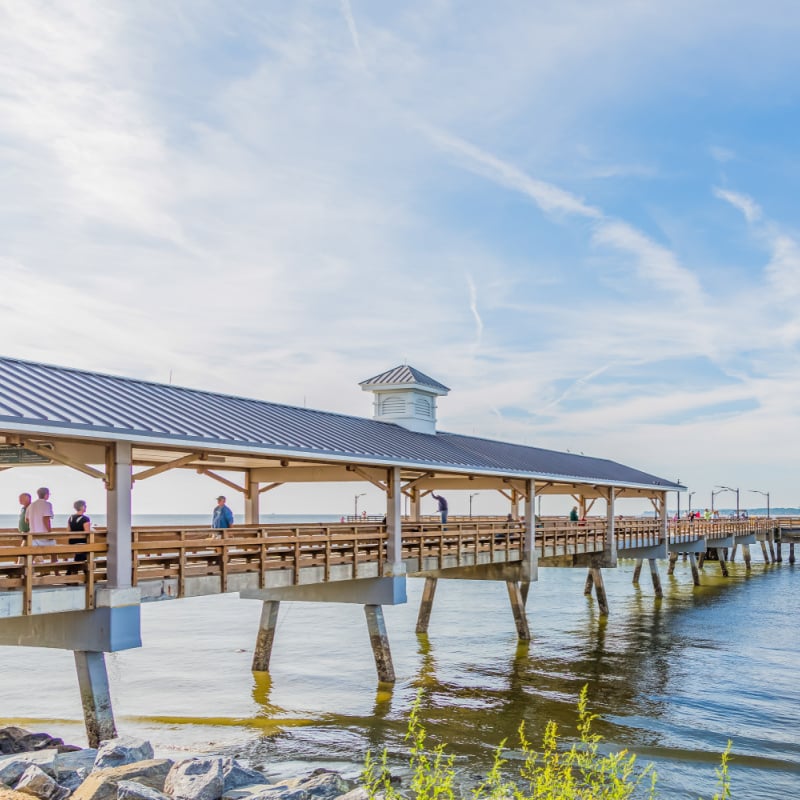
column 745, row 204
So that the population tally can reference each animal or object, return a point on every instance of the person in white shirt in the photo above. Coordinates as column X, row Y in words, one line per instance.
column 39, row 517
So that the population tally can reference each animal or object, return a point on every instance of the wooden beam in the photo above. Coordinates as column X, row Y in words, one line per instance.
column 507, row 495
column 66, row 461
column 178, row 462
column 205, row 471
column 269, row 487
column 412, row 484
column 367, row 477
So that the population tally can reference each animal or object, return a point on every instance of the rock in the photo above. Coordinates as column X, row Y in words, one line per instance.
column 40, row 784
column 12, row 767
column 123, row 750
column 252, row 790
column 322, row 784
column 9, row 736
column 72, row 767
column 196, row 779
column 102, row 783
column 359, row 793
column 39, row 741
column 10, row 794
column 133, row 790
column 234, row 775
column 15, row 740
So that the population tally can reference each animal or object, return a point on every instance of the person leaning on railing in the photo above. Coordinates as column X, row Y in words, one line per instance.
column 79, row 522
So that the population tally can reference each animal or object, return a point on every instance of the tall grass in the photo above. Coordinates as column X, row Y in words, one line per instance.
column 581, row 772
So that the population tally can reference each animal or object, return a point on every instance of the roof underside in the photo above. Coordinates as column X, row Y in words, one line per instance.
column 60, row 401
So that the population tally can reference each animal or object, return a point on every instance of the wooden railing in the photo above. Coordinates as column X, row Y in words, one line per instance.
column 183, row 553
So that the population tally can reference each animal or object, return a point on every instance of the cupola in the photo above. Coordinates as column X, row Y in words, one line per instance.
column 406, row 397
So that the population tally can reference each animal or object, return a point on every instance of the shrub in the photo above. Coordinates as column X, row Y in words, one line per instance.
column 581, row 772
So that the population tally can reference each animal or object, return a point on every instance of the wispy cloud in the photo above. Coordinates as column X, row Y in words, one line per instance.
column 473, row 307
column 742, row 202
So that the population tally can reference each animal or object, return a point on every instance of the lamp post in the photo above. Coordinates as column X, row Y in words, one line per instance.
column 474, row 494
column 355, row 504
column 766, row 494
column 726, row 489
column 690, row 502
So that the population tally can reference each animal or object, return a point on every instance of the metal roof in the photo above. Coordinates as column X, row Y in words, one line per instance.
column 404, row 375
column 62, row 401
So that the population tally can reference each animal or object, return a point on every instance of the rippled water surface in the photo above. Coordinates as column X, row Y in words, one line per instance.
column 673, row 679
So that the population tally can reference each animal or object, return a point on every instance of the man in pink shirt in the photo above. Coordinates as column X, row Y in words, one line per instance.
column 39, row 517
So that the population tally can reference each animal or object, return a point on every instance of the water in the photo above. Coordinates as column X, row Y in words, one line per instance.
column 672, row 680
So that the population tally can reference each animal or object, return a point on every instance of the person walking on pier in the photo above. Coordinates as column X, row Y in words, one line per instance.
column 39, row 516
column 442, row 506
column 222, row 516
column 22, row 524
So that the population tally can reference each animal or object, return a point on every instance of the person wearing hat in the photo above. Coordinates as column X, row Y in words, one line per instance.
column 222, row 516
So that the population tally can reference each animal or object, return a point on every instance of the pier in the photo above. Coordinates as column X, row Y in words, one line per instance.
column 86, row 595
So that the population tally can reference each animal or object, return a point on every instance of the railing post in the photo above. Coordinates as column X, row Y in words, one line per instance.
column 118, row 514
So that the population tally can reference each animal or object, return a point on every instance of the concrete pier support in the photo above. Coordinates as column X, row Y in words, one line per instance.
column 771, row 548
column 95, row 696
column 764, row 551
column 746, row 556
column 524, row 589
column 266, row 635
column 791, row 552
column 778, row 546
column 637, row 571
column 733, row 553
column 380, row 643
column 695, row 570
column 600, row 590
column 589, row 585
column 518, row 610
column 722, row 564
column 673, row 559
column 701, row 560
column 426, row 605
column 655, row 577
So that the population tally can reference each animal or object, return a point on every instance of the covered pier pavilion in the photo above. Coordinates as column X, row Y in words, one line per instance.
column 86, row 596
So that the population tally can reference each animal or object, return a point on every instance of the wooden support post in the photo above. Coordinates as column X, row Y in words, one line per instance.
column 600, row 591
column 589, row 585
column 722, row 565
column 695, row 570
column 518, row 610
column 252, row 496
column 764, row 551
column 656, row 577
column 394, row 565
column 637, row 571
column 380, row 643
column 746, row 556
column 266, row 635
column 426, row 605
column 118, row 515
column 733, row 553
column 524, row 589
column 673, row 559
column 95, row 696
column 791, row 552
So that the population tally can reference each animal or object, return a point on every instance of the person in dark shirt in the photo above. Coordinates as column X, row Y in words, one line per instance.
column 442, row 506
column 573, row 515
column 79, row 523
column 222, row 517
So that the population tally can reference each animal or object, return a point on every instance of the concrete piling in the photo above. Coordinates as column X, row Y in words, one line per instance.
column 764, row 551
column 746, row 556
column 791, row 552
column 524, row 589
column 518, row 610
column 589, row 585
column 656, row 577
column 722, row 563
column 426, row 604
column 695, row 570
column 637, row 571
column 95, row 696
column 600, row 591
column 266, row 635
column 673, row 559
column 379, row 640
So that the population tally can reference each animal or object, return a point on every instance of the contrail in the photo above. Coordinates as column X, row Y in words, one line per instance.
column 347, row 12
column 473, row 307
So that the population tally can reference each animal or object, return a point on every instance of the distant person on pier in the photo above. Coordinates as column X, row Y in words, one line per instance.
column 79, row 523
column 706, row 515
column 22, row 524
column 573, row 515
column 39, row 516
column 222, row 516
column 442, row 506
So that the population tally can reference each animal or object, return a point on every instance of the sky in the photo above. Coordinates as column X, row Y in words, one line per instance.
column 581, row 217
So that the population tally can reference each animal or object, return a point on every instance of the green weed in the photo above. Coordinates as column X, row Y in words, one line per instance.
column 581, row 772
